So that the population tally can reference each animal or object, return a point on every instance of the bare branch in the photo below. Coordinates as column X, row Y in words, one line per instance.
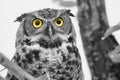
column 111, row 30
column 16, row 70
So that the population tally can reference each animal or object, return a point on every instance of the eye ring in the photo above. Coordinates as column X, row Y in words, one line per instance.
column 59, row 22
column 37, row 23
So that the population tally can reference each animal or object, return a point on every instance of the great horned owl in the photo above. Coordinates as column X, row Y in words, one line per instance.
column 45, row 43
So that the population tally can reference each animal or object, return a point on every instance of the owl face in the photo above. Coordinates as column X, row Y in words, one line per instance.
column 47, row 24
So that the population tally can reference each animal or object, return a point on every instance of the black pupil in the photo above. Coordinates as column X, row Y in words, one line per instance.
column 58, row 21
column 37, row 22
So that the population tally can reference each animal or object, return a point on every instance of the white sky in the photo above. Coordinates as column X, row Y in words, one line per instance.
column 10, row 9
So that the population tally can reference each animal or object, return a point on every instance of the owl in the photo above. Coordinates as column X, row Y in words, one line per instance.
column 46, row 44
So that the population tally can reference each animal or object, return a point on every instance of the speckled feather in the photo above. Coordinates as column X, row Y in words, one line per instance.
column 59, row 57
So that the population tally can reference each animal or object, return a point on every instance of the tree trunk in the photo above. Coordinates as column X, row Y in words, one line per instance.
column 93, row 24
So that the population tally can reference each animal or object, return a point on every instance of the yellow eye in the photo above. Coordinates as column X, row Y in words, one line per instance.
column 37, row 23
column 59, row 22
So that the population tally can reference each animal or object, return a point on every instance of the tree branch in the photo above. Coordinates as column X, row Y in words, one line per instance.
column 17, row 71
column 115, row 54
column 111, row 30
column 2, row 78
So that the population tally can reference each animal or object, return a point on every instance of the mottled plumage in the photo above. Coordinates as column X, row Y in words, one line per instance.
column 50, row 49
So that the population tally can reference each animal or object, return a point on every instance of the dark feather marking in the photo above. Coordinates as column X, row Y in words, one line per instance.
column 71, row 68
column 29, row 57
column 73, row 50
column 70, row 49
column 76, row 51
column 61, row 78
column 36, row 54
column 72, row 62
column 19, row 64
column 69, row 62
column 17, row 57
column 13, row 78
column 39, row 67
column 59, row 67
column 64, row 58
column 70, row 39
column 67, row 68
column 58, row 72
column 25, row 66
column 34, row 73
column 71, row 79
column 51, row 69
column 49, row 44
column 23, row 49
column 64, row 72
column 27, row 41
column 24, row 61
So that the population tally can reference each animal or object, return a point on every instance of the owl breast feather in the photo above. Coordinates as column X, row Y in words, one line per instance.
column 63, row 61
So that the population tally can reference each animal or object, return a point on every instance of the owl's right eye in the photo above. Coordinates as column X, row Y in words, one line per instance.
column 37, row 23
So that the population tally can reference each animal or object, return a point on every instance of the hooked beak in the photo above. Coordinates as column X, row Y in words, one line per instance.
column 49, row 31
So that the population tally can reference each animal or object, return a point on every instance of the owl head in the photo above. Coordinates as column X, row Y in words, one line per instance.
column 47, row 24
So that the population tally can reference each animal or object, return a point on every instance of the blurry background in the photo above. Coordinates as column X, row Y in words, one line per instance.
column 10, row 9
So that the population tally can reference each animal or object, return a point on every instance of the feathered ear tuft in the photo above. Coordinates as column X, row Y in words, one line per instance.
column 19, row 19
column 69, row 13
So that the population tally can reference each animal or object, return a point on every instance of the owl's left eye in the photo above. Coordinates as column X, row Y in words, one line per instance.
column 59, row 22
column 37, row 23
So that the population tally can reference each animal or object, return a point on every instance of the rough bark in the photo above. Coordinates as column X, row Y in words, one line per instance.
column 93, row 24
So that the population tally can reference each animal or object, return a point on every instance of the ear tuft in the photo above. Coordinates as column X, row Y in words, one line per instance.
column 70, row 14
column 19, row 19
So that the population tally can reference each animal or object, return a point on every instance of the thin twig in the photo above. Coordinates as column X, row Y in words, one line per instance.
column 111, row 30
